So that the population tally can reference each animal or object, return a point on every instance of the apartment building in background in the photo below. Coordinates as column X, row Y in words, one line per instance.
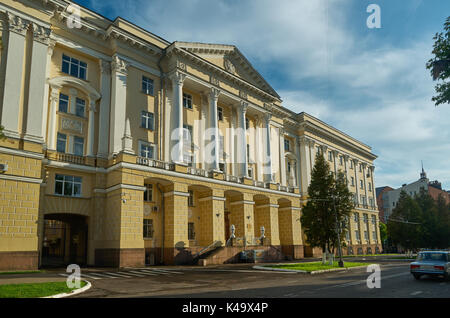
column 106, row 163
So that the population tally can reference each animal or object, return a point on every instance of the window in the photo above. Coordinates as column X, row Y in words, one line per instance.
column 78, row 146
column 358, row 237
column 68, row 185
column 341, row 160
column 247, row 123
column 355, row 217
column 250, row 173
column 219, row 113
column 374, row 235
column 147, row 120
column 370, row 187
column 330, row 156
column 80, row 107
column 148, row 193
column 366, row 235
column 286, row 145
column 360, row 168
column 191, row 198
column 74, row 67
column 361, row 183
column 351, row 164
column 147, row 85
column 148, row 228
column 61, row 143
column 187, row 137
column 187, row 101
column 371, row 202
column 289, row 166
column 222, row 167
column 63, row 103
column 248, row 153
column 353, row 181
column 318, row 149
column 191, row 232
column 374, row 219
column 366, row 218
column 146, row 150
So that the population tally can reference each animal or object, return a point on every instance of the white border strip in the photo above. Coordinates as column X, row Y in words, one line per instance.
column 21, row 179
column 22, row 153
column 183, row 194
column 123, row 186
column 74, row 292
column 212, row 198
column 242, row 202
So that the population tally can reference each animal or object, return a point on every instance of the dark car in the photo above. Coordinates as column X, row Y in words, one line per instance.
column 433, row 263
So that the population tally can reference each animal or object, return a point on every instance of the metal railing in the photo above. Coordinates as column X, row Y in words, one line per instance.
column 155, row 163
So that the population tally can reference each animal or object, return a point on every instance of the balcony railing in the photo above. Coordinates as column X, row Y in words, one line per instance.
column 66, row 157
column 155, row 163
column 206, row 174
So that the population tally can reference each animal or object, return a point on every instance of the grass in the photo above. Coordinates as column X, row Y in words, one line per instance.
column 20, row 272
column 317, row 266
column 365, row 255
column 35, row 290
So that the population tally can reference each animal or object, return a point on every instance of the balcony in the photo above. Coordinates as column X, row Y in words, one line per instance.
column 155, row 163
column 70, row 158
column 207, row 174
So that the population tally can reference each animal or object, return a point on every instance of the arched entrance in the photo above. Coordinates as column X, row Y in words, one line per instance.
column 65, row 240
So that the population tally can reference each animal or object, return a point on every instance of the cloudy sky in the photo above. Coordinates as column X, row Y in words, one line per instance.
column 321, row 58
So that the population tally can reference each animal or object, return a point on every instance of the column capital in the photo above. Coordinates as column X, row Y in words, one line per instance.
column 177, row 78
column 214, row 93
column 267, row 117
column 17, row 24
column 324, row 148
column 335, row 152
column 105, row 67
column 41, row 34
column 372, row 168
column 346, row 157
column 92, row 106
column 119, row 65
column 364, row 165
column 243, row 105
column 355, row 161
column 54, row 94
column 281, row 131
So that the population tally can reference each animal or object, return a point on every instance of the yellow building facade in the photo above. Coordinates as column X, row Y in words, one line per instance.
column 123, row 149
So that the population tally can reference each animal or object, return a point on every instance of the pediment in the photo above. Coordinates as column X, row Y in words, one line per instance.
column 230, row 59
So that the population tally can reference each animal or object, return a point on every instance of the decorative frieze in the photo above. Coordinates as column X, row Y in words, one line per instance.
column 41, row 34
column 72, row 125
column 229, row 66
column 214, row 80
column 243, row 94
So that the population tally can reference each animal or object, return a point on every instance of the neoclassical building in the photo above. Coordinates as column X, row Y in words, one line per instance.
column 124, row 149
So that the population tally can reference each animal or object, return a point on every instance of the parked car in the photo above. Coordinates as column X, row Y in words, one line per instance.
column 433, row 263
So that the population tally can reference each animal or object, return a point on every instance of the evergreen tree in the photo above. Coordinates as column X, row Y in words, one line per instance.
column 443, row 223
column 319, row 219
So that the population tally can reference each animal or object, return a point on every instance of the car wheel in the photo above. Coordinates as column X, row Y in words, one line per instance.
column 417, row 276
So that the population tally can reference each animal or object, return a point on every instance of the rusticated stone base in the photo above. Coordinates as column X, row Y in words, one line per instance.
column 313, row 252
column 293, row 251
column 115, row 257
column 18, row 261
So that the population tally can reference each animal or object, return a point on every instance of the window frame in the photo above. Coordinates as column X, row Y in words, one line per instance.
column 58, row 140
column 219, row 113
column 70, row 61
column 59, row 103
column 74, row 145
column 149, row 118
column 77, row 106
column 187, row 101
column 148, row 229
column 146, row 144
column 147, row 81
column 148, row 190
column 75, row 181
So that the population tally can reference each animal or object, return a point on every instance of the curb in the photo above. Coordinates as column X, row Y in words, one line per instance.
column 310, row 273
column 73, row 292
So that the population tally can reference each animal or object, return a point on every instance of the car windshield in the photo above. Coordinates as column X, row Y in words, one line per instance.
column 431, row 257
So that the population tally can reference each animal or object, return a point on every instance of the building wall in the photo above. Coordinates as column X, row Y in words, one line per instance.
column 112, row 168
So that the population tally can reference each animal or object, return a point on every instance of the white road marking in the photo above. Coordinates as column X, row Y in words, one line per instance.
column 163, row 270
column 416, row 293
column 65, row 275
column 141, row 273
column 89, row 276
column 359, row 282
column 154, row 272
column 104, row 275
column 117, row 274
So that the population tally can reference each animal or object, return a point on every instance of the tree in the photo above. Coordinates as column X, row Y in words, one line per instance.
column 319, row 218
column 383, row 232
column 403, row 225
column 443, row 223
column 439, row 65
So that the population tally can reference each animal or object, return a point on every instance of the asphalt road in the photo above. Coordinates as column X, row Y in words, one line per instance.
column 244, row 282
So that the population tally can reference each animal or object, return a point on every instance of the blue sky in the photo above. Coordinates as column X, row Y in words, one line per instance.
column 322, row 59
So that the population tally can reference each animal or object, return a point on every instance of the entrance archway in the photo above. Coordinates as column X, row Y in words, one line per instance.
column 65, row 240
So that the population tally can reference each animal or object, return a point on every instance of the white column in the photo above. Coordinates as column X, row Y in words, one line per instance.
column 213, row 125
column 54, row 98
column 118, row 103
column 305, row 164
column 36, row 95
column 203, row 125
column 346, row 171
column 259, row 145
column 355, row 167
column 242, row 140
column 91, row 128
column 372, row 169
column 176, row 127
column 73, row 93
column 335, row 157
column 267, row 153
column 103, row 122
column 298, row 163
column 365, row 183
column 282, row 166
column 232, row 143
column 13, row 75
column 51, row 47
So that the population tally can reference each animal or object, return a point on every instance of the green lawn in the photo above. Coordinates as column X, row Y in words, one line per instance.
column 34, row 290
column 365, row 255
column 317, row 266
column 20, row 272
